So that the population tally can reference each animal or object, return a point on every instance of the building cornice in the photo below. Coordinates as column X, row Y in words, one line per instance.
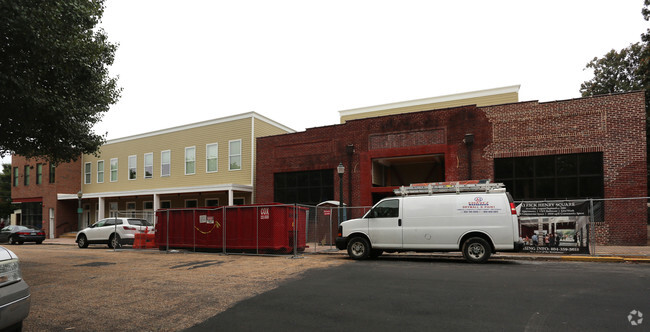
column 235, row 117
column 432, row 100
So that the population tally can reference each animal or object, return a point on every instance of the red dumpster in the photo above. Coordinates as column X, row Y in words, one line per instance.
column 265, row 228
column 190, row 228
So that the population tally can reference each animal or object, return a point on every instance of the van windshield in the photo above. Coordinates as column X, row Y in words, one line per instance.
column 385, row 209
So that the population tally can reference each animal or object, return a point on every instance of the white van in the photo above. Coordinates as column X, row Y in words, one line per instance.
column 476, row 218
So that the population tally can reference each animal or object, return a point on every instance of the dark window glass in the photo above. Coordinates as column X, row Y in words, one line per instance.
column 524, row 167
column 567, row 187
column 545, row 187
column 52, row 173
column 545, row 166
column 567, row 165
column 385, row 209
column 549, row 177
column 523, row 189
column 504, row 168
column 307, row 187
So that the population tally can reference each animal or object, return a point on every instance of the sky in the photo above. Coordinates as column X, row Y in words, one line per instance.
column 300, row 62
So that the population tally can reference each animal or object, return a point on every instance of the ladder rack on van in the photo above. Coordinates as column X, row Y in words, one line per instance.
column 448, row 187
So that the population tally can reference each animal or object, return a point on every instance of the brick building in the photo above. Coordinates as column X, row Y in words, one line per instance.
column 581, row 148
column 35, row 185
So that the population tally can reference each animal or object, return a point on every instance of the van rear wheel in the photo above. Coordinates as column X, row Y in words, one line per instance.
column 358, row 248
column 476, row 250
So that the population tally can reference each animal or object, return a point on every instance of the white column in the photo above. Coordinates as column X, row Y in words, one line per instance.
column 101, row 213
column 156, row 202
column 156, row 206
column 231, row 199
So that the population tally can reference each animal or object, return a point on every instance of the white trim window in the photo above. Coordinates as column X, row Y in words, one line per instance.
column 100, row 171
column 114, row 168
column 191, row 203
column 190, row 160
column 211, row 202
column 165, row 163
column 133, row 167
column 87, row 173
column 211, row 158
column 234, row 155
column 148, row 165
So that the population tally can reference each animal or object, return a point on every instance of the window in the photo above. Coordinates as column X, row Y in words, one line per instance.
column 148, row 165
column 190, row 160
column 211, row 202
column 112, row 209
column 308, row 187
column 211, row 156
column 87, row 169
column 165, row 204
column 15, row 176
column 191, row 203
column 113, row 169
column 238, row 201
column 52, row 173
column 100, row 171
column 555, row 176
column 385, row 209
column 165, row 163
column 234, row 155
column 26, row 176
column 39, row 173
column 133, row 167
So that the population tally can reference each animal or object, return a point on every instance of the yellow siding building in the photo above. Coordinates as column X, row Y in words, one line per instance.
column 210, row 163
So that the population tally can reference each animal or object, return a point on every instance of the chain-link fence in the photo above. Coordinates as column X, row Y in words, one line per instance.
column 593, row 227
column 615, row 226
column 256, row 229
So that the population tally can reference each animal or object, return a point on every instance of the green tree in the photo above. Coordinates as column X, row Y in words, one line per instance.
column 5, row 192
column 622, row 71
column 54, row 80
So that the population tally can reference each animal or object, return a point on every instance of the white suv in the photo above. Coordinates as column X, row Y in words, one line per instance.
column 114, row 232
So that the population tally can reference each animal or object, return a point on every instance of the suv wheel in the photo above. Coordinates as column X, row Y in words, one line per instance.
column 114, row 241
column 82, row 242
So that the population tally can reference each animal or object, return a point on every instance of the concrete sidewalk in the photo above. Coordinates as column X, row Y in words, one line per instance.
column 637, row 254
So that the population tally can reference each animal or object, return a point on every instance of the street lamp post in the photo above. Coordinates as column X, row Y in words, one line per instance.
column 79, row 210
column 340, row 169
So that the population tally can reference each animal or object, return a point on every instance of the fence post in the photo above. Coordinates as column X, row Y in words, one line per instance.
column 167, row 250
column 295, row 232
column 223, row 232
column 257, row 230
column 592, row 226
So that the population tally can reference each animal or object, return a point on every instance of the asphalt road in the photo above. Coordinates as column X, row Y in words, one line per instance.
column 450, row 295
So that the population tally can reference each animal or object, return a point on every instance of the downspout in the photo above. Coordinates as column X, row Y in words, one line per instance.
column 469, row 142
column 349, row 149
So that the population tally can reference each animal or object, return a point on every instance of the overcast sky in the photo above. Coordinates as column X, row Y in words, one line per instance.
column 300, row 62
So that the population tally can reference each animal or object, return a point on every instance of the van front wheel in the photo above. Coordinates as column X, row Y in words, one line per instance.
column 476, row 250
column 358, row 248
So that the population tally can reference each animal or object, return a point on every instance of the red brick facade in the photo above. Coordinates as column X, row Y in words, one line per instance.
column 67, row 181
column 611, row 124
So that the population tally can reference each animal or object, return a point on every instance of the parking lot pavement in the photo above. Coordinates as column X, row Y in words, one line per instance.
column 427, row 293
column 98, row 289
